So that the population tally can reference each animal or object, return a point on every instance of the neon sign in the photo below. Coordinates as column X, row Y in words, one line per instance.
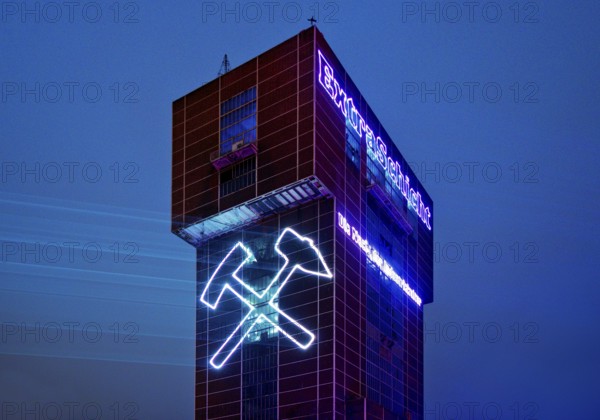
column 377, row 259
column 375, row 145
column 298, row 334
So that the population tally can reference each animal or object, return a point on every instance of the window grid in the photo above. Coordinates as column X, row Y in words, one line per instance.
column 238, row 176
column 352, row 148
column 238, row 121
column 376, row 175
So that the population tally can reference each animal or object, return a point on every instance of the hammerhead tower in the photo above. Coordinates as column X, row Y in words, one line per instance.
column 314, row 243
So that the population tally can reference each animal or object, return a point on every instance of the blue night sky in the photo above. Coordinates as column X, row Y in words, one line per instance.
column 497, row 109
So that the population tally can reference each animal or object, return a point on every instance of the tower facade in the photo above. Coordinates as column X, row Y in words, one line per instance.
column 314, row 243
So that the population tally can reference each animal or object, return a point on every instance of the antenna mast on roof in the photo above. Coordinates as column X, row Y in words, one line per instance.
column 225, row 66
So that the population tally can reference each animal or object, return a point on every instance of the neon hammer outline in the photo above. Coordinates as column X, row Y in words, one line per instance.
column 230, row 345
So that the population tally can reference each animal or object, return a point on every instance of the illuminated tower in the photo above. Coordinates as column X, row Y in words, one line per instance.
column 314, row 243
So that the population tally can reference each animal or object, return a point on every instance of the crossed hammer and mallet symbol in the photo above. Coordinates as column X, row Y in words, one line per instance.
column 298, row 252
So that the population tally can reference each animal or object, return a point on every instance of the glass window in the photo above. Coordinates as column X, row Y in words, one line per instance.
column 352, row 147
column 238, row 176
column 238, row 121
column 375, row 173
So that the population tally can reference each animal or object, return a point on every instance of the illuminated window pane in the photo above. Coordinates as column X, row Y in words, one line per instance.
column 238, row 121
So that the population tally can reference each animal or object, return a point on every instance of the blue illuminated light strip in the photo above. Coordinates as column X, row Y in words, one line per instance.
column 375, row 144
column 376, row 259
column 230, row 345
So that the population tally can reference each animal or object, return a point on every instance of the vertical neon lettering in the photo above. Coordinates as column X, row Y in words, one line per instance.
column 326, row 75
column 377, row 149
column 381, row 153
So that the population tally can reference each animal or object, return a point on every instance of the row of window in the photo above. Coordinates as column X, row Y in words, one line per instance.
column 237, row 115
column 238, row 100
column 238, row 121
column 352, row 147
